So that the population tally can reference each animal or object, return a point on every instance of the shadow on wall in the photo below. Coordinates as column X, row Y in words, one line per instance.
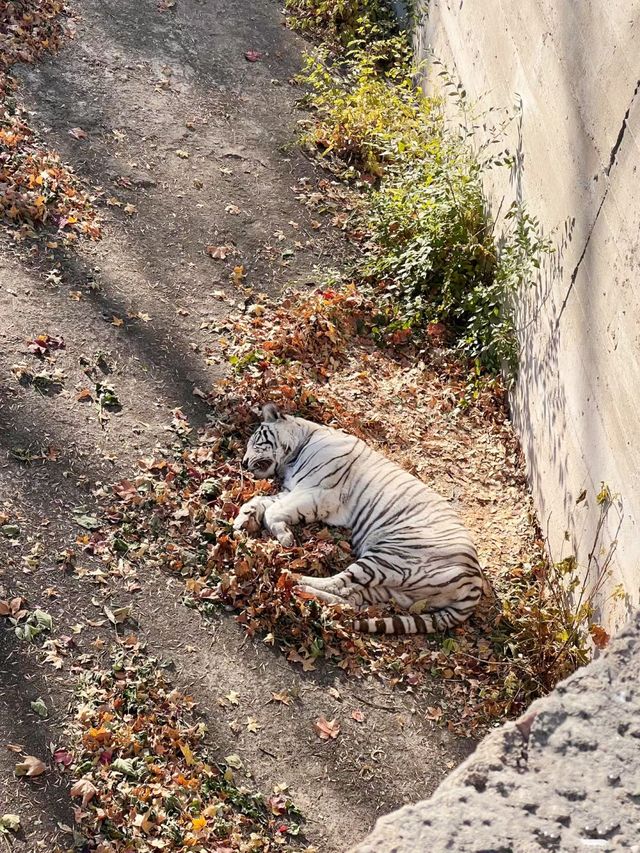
column 586, row 527
column 564, row 369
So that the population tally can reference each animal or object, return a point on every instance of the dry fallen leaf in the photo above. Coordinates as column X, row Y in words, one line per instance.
column 253, row 56
column 307, row 662
column 63, row 756
column 238, row 274
column 357, row 715
column 253, row 725
column 283, row 697
column 327, row 729
column 30, row 766
column 77, row 133
column 599, row 636
column 84, row 788
column 219, row 252
column 119, row 614
column 185, row 749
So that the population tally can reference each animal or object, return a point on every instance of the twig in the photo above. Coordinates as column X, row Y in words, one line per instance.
column 266, row 752
column 373, row 704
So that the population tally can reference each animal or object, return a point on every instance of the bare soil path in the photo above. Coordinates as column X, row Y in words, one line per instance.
column 199, row 142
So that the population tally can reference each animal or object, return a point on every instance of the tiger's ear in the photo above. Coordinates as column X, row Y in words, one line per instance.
column 271, row 413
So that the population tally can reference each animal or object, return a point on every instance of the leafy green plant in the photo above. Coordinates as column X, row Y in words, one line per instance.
column 489, row 310
column 337, row 22
column 367, row 111
column 433, row 254
column 547, row 624
column 429, row 250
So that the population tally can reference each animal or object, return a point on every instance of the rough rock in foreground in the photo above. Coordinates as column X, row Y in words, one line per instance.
column 564, row 777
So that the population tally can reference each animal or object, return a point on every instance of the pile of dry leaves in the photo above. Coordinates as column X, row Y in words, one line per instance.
column 36, row 189
column 314, row 355
column 144, row 780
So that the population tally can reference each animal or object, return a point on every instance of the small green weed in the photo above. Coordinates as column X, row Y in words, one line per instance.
column 548, row 621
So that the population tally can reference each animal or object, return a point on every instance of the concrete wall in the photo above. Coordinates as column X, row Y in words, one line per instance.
column 576, row 68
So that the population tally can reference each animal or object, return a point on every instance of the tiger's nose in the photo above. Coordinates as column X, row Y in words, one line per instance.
column 244, row 462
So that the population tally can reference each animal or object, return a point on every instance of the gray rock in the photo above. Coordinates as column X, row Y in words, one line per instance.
column 564, row 777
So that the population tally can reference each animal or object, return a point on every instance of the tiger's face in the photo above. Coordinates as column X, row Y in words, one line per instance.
column 271, row 444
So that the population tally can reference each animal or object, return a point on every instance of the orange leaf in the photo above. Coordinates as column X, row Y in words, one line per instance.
column 304, row 595
column 599, row 636
column 238, row 274
column 327, row 729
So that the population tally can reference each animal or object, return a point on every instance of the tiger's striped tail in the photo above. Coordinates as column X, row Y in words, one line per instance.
column 423, row 624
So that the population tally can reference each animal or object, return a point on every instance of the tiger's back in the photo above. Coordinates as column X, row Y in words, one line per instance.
column 402, row 531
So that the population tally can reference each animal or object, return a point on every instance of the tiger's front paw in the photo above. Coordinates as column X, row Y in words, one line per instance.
column 246, row 520
column 286, row 539
column 283, row 534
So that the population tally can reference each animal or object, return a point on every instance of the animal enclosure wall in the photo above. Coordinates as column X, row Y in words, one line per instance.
column 576, row 70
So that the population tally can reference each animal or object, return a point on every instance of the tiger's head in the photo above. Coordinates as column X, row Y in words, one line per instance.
column 272, row 444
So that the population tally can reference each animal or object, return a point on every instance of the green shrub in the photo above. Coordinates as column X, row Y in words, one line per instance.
column 366, row 117
column 433, row 254
column 337, row 22
column 429, row 252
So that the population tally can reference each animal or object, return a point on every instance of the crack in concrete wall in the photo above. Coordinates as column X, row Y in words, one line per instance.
column 621, row 132
column 612, row 160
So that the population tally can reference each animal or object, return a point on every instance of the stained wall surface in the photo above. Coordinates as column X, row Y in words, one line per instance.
column 575, row 69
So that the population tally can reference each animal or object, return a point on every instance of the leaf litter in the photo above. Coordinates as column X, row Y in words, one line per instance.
column 36, row 188
column 144, row 778
column 319, row 354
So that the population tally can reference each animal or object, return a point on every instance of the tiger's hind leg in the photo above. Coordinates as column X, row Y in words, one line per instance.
column 359, row 584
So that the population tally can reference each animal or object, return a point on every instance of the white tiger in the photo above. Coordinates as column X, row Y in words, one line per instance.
column 410, row 545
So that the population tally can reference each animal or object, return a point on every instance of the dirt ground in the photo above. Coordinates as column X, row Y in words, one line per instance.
column 144, row 82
